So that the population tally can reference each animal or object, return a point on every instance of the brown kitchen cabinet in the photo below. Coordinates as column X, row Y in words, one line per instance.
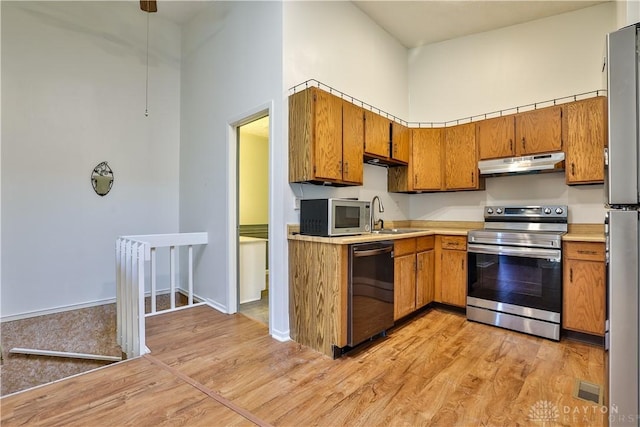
column 318, row 294
column 538, row 131
column 425, row 270
column 316, row 149
column 413, row 274
column 461, row 161
column 404, row 277
column 425, row 169
column 584, row 287
column 352, row 143
column 585, row 130
column 531, row 132
column 496, row 137
column 451, row 270
column 377, row 135
column 400, row 142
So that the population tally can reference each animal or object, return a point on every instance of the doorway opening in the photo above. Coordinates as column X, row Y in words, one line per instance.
column 253, row 219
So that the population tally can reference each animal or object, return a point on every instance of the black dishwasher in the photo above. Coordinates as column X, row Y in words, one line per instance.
column 370, row 301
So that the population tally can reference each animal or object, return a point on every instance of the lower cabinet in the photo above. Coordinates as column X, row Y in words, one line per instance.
column 451, row 270
column 584, row 287
column 413, row 274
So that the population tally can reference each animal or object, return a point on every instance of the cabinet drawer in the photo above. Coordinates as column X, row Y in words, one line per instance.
column 424, row 243
column 589, row 251
column 404, row 247
column 454, row 242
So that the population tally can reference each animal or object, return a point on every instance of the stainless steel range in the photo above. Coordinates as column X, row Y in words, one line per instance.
column 515, row 269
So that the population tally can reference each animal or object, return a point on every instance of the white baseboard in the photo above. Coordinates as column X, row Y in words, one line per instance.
column 280, row 336
column 215, row 305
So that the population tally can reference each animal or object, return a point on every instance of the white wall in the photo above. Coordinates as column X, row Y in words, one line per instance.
column 253, row 175
column 73, row 77
column 338, row 45
column 501, row 69
column 231, row 65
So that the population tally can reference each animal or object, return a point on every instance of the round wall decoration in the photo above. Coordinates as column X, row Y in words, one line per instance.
column 102, row 179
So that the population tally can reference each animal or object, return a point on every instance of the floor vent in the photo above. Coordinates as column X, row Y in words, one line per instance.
column 588, row 391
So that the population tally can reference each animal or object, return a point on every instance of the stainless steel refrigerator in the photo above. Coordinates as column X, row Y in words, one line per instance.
column 622, row 225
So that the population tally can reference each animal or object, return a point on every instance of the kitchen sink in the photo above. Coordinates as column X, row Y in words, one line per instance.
column 395, row 231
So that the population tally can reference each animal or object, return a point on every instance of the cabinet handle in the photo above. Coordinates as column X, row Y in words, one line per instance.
column 571, row 275
column 346, row 168
column 573, row 168
column 585, row 252
column 524, row 144
column 510, row 144
column 415, row 180
column 340, row 166
column 463, row 264
column 473, row 180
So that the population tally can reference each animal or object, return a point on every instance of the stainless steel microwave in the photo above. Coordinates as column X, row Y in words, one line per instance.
column 334, row 217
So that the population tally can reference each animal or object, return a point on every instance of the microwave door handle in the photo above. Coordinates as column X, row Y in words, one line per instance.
column 541, row 253
column 372, row 252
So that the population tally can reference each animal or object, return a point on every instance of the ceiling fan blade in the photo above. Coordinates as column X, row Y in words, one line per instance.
column 148, row 5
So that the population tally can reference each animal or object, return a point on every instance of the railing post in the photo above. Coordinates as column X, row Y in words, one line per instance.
column 118, row 293
column 190, row 274
column 139, row 324
column 172, row 275
column 153, row 280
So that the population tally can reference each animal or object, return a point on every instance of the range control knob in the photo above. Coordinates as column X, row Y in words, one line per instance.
column 547, row 211
column 499, row 210
column 559, row 211
column 489, row 211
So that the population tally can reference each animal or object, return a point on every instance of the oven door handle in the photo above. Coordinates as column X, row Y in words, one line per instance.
column 372, row 252
column 550, row 254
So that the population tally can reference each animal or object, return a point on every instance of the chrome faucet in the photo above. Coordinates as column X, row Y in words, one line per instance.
column 380, row 209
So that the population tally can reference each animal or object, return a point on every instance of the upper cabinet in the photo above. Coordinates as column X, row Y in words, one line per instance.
column 585, row 128
column 400, row 142
column 427, row 159
column 538, row 131
column 424, row 171
column 330, row 139
column 316, row 139
column 532, row 132
column 352, row 142
column 377, row 135
column 461, row 161
column 496, row 137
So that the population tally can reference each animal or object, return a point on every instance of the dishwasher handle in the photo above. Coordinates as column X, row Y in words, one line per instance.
column 372, row 252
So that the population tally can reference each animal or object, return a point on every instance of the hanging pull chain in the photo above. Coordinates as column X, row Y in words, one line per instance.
column 146, row 92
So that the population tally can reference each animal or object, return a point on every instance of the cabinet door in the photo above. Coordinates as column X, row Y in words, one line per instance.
column 404, row 280
column 584, row 296
column 377, row 134
column 461, row 159
column 352, row 142
column 586, row 136
column 495, row 137
column 400, row 142
column 328, row 136
column 427, row 158
column 539, row 131
column 454, row 277
column 425, row 280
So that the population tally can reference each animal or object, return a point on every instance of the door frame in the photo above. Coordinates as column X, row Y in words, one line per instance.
column 258, row 112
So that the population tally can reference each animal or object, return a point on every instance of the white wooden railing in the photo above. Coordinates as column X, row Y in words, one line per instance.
column 132, row 254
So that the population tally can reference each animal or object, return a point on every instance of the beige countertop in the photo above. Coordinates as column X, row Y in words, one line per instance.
column 576, row 233
column 452, row 229
column 585, row 233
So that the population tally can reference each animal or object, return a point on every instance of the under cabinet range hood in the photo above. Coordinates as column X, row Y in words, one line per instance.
column 538, row 163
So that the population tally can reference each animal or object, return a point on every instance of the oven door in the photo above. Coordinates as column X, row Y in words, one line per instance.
column 528, row 278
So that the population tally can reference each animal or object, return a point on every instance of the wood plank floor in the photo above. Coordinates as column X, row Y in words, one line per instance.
column 438, row 369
